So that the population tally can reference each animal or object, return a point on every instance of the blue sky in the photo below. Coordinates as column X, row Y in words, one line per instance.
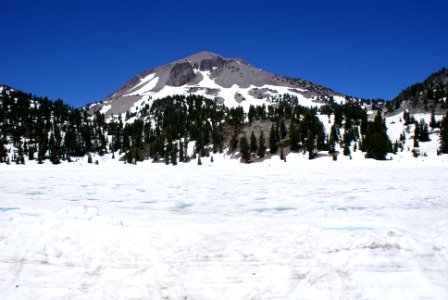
column 81, row 51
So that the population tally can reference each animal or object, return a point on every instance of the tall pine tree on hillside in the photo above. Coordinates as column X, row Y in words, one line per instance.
column 377, row 141
column 294, row 137
column 273, row 144
column 444, row 135
column 261, row 146
column 253, row 143
column 244, row 149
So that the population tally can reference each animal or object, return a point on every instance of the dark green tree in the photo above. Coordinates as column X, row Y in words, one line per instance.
column 273, row 144
column 253, row 143
column 244, row 149
column 234, row 141
column 294, row 137
column 444, row 135
column 174, row 155
column 283, row 130
column 261, row 145
column 377, row 141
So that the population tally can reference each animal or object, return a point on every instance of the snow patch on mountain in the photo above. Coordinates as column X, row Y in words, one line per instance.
column 148, row 84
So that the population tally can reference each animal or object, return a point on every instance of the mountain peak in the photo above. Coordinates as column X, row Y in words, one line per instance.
column 232, row 81
column 202, row 55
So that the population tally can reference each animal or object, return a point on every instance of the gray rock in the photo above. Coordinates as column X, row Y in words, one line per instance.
column 239, row 98
column 209, row 64
column 180, row 74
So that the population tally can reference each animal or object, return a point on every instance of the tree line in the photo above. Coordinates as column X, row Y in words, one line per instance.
column 41, row 129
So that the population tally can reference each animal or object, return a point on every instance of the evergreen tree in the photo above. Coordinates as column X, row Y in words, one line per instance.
column 273, row 144
column 310, row 146
column 444, row 135
column 424, row 131
column 181, row 152
column 294, row 137
column 261, row 145
column 174, row 154
column 433, row 123
column 244, row 149
column 253, row 143
column 234, row 141
column 2, row 151
column 395, row 147
column 283, row 130
column 346, row 150
column 167, row 157
column 20, row 159
column 377, row 141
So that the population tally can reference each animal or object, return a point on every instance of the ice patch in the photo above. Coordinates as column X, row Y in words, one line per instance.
column 3, row 209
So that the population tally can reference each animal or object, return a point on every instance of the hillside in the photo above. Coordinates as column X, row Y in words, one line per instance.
column 427, row 96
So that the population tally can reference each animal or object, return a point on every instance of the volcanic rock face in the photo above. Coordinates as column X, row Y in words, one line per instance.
column 210, row 64
column 181, row 74
column 232, row 81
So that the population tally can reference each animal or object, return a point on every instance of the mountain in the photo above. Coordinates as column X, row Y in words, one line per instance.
column 427, row 96
column 230, row 81
column 166, row 125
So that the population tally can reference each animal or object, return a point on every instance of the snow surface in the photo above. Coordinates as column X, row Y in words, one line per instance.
column 297, row 230
column 147, row 84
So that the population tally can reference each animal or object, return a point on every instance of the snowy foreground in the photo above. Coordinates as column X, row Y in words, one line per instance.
column 314, row 230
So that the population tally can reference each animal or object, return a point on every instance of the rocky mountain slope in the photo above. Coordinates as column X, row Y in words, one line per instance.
column 427, row 96
column 230, row 81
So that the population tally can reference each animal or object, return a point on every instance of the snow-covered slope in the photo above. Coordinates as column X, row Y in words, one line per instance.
column 230, row 81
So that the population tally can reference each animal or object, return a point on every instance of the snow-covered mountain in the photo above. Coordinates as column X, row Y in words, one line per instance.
column 231, row 81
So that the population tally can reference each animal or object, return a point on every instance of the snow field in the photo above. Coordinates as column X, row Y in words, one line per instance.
column 273, row 230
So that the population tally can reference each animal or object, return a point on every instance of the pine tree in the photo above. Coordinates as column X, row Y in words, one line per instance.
column 377, row 141
column 181, row 152
column 433, row 123
column 283, row 130
column 244, row 149
column 310, row 146
column 444, row 135
column 261, row 146
column 273, row 144
column 2, row 152
column 395, row 147
column 294, row 136
column 253, row 143
column 346, row 150
column 234, row 142
column 424, row 131
column 167, row 157
column 174, row 154
column 20, row 157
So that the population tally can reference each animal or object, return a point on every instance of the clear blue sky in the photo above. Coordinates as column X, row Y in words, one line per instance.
column 81, row 51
